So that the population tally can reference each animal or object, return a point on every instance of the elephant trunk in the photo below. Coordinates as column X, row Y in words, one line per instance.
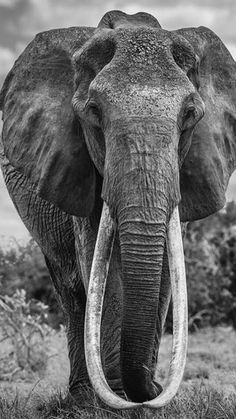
column 93, row 316
column 142, row 233
column 140, row 198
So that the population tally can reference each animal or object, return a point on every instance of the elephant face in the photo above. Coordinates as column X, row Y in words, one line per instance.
column 137, row 96
column 129, row 105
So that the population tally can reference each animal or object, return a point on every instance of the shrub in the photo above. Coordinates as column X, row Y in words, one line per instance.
column 23, row 266
column 23, row 335
column 210, row 251
column 210, row 260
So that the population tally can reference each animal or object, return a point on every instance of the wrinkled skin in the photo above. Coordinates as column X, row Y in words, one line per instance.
column 139, row 117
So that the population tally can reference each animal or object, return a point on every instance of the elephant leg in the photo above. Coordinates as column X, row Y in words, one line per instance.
column 73, row 304
column 53, row 231
column 85, row 232
column 75, row 337
column 111, row 325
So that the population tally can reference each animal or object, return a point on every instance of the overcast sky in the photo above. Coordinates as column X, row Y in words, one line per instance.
column 20, row 20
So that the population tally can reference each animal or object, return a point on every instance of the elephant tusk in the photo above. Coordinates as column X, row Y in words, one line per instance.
column 180, row 313
column 99, row 271
column 93, row 315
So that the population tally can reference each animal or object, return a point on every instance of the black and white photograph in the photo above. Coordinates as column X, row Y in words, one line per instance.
column 118, row 209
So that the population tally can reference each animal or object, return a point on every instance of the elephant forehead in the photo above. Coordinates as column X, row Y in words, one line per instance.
column 143, row 47
column 150, row 99
column 145, row 58
column 142, row 40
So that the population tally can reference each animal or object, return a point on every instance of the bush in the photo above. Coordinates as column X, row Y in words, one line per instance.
column 210, row 252
column 23, row 335
column 23, row 266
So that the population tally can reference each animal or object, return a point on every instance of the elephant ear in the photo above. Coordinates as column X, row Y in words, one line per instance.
column 211, row 158
column 41, row 137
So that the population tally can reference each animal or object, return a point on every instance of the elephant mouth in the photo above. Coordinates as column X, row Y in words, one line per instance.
column 99, row 271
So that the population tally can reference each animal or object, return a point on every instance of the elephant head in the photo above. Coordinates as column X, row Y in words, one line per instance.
column 153, row 116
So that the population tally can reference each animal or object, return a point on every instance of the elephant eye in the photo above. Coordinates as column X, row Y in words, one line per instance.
column 189, row 116
column 193, row 111
column 93, row 113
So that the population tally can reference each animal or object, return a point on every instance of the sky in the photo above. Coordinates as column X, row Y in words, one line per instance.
column 20, row 20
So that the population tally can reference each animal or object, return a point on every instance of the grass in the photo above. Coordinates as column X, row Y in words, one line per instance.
column 194, row 402
column 208, row 390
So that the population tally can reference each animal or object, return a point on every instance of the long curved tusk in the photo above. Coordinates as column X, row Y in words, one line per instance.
column 180, row 313
column 93, row 315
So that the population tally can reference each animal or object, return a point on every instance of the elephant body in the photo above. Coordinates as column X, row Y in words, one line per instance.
column 116, row 114
column 68, row 243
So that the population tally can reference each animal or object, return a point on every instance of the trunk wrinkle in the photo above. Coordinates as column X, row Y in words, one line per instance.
column 142, row 255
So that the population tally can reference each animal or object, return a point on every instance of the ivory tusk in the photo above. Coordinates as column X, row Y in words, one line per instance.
column 180, row 313
column 99, row 271
column 93, row 315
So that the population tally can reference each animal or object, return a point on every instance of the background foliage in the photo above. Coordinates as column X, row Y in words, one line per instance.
column 210, row 252
column 23, row 266
column 23, row 336
column 210, row 255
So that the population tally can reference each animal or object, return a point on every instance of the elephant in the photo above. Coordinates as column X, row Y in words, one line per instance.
column 113, row 136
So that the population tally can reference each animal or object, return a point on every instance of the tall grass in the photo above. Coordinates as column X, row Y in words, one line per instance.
column 192, row 402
